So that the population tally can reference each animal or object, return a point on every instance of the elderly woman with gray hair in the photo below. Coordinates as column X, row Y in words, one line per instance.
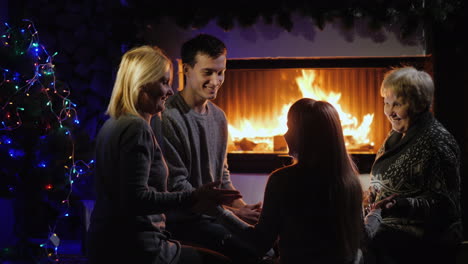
column 419, row 162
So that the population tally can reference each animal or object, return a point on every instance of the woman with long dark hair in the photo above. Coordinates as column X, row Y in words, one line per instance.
column 314, row 206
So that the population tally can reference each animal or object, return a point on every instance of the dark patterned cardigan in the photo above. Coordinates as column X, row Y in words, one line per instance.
column 423, row 168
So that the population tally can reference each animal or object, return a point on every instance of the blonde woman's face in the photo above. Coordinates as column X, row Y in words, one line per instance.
column 153, row 96
column 396, row 110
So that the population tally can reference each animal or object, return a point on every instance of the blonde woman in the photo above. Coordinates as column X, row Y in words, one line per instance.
column 128, row 221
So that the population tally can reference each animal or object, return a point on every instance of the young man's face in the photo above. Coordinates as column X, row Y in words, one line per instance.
column 206, row 77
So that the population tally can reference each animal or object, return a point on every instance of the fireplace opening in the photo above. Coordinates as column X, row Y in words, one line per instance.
column 258, row 92
column 256, row 103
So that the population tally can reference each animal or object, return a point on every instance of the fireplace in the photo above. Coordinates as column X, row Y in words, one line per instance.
column 257, row 93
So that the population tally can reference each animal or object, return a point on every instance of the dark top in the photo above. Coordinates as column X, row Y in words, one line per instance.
column 423, row 168
column 296, row 211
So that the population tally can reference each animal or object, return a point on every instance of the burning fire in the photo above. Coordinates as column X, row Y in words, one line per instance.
column 260, row 137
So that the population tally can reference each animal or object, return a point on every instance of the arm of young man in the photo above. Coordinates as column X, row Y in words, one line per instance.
column 247, row 212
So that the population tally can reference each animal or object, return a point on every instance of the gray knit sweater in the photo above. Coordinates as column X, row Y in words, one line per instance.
column 194, row 145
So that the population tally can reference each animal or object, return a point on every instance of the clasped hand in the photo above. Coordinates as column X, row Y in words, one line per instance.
column 386, row 203
column 249, row 213
column 209, row 196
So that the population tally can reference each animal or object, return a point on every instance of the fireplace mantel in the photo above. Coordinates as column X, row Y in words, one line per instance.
column 420, row 61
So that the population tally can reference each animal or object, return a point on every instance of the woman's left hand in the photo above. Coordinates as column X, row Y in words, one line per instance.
column 386, row 203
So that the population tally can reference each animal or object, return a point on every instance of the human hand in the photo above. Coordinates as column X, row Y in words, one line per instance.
column 208, row 197
column 386, row 203
column 249, row 212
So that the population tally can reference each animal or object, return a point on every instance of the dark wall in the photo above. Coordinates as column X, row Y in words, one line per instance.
column 3, row 11
column 450, row 51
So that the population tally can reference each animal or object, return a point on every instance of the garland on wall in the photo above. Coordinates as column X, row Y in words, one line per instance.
column 39, row 164
column 410, row 14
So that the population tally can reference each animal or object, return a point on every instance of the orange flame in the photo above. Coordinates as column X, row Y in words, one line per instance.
column 260, row 135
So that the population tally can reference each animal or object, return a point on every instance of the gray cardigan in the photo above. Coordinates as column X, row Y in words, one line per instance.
column 131, row 191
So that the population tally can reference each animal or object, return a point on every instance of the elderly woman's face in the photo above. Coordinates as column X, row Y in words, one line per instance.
column 396, row 110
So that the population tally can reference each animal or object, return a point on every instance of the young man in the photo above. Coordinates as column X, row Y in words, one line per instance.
column 194, row 144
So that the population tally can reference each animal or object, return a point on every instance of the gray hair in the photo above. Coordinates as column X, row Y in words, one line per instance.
column 413, row 86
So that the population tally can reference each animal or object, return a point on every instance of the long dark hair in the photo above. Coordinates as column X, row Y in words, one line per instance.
column 321, row 150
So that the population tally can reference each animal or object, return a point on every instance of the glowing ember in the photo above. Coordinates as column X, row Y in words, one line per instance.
column 254, row 135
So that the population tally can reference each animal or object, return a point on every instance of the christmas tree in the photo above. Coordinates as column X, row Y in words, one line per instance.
column 39, row 164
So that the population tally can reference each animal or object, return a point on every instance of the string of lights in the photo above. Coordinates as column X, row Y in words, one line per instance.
column 32, row 99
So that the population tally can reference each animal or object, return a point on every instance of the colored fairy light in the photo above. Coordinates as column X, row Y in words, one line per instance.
column 16, row 153
column 38, row 86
